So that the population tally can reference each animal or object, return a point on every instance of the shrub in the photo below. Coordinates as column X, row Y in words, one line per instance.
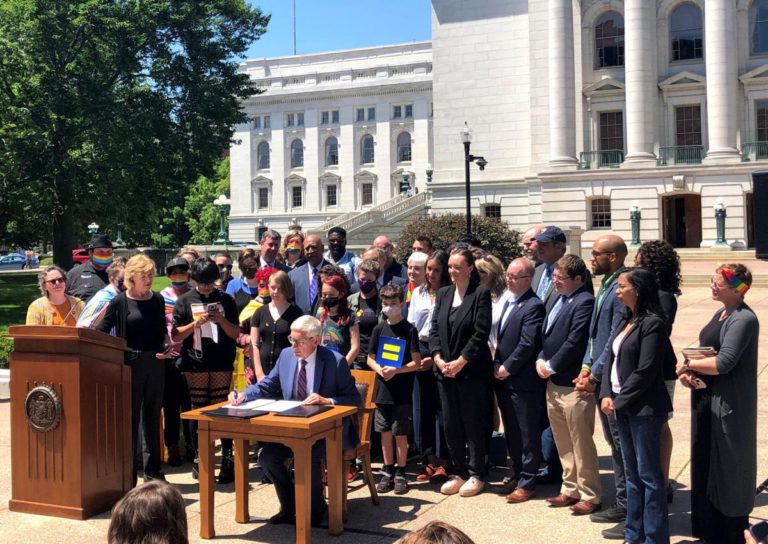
column 496, row 237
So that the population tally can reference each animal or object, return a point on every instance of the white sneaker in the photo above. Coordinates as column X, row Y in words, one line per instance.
column 473, row 486
column 452, row 486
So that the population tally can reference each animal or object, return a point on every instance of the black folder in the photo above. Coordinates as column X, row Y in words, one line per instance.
column 234, row 412
column 305, row 410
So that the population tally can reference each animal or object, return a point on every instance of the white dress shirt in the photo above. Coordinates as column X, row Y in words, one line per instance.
column 420, row 311
column 311, row 360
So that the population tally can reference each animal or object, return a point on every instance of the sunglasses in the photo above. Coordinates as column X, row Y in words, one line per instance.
column 56, row 281
column 225, row 267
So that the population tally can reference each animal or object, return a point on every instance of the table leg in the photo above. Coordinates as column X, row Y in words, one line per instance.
column 333, row 458
column 302, row 466
column 206, row 467
column 241, row 481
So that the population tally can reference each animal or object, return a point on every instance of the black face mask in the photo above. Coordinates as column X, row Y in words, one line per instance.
column 330, row 302
column 366, row 286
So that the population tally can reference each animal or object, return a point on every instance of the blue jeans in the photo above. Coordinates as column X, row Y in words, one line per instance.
column 647, row 515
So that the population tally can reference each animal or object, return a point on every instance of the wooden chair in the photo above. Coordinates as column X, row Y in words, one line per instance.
column 365, row 381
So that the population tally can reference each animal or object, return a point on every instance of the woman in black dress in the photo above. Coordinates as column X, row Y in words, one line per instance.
column 271, row 325
column 138, row 315
column 458, row 340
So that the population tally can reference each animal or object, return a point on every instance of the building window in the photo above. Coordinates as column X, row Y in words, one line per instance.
column 366, row 149
column 256, row 123
column 331, row 195
column 297, row 153
column 371, row 114
column 687, row 32
column 262, row 156
column 403, row 147
column 259, row 122
column 609, row 40
column 402, row 111
column 266, row 121
column 329, row 117
column 296, row 196
column 263, row 198
column 492, row 211
column 611, row 131
column 360, row 115
column 600, row 213
column 758, row 24
column 331, row 151
column 397, row 112
column 761, row 112
column 290, row 120
column 688, row 125
column 366, row 194
column 299, row 119
column 409, row 111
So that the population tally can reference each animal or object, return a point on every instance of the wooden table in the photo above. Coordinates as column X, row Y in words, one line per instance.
column 299, row 434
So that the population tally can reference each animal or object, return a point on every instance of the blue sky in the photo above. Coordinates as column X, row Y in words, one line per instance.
column 329, row 25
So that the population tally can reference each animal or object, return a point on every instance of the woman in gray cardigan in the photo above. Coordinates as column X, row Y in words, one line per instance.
column 724, row 413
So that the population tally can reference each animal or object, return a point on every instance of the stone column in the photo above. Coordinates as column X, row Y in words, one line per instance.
column 562, row 109
column 641, row 81
column 722, row 82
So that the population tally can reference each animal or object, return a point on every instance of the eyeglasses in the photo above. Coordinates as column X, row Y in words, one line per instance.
column 511, row 277
column 56, row 281
column 558, row 277
column 294, row 342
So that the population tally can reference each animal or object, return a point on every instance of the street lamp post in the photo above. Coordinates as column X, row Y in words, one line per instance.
column 720, row 216
column 93, row 228
column 466, row 138
column 635, row 217
column 222, row 202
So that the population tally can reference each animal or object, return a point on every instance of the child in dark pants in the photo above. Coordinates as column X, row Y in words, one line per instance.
column 394, row 409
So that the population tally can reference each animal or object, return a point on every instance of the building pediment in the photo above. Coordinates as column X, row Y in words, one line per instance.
column 330, row 177
column 605, row 87
column 365, row 175
column 294, row 179
column 261, row 180
column 683, row 81
column 758, row 76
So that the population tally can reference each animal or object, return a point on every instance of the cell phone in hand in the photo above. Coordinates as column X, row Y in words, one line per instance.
column 213, row 308
column 760, row 531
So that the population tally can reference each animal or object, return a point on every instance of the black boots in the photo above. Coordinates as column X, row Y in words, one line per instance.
column 227, row 469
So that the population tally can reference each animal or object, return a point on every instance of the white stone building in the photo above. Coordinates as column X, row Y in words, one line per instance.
column 582, row 109
column 332, row 133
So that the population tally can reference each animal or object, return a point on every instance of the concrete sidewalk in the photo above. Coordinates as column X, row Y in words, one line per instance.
column 486, row 518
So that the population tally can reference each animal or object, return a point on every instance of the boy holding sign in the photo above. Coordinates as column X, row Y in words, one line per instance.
column 395, row 343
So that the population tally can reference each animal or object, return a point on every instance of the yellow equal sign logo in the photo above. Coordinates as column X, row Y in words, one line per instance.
column 391, row 352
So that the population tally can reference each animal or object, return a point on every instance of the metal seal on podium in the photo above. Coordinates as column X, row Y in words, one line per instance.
column 42, row 407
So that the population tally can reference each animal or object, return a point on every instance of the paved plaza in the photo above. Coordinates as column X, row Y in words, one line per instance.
column 486, row 518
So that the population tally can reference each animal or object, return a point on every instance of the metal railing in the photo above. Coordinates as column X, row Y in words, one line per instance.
column 680, row 154
column 609, row 158
column 382, row 212
column 754, row 151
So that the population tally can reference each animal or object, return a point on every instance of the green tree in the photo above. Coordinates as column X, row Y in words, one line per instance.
column 495, row 236
column 202, row 217
column 111, row 109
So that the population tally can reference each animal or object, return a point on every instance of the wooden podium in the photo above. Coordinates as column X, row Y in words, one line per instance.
column 70, row 421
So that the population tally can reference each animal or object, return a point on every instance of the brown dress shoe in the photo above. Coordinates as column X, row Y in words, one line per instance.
column 561, row 500
column 520, row 495
column 506, row 487
column 582, row 508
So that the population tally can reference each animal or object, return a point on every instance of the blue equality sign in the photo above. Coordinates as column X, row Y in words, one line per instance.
column 391, row 352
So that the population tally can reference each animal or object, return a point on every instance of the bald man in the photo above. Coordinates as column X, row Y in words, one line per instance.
column 391, row 266
column 608, row 255
column 306, row 278
column 529, row 243
column 378, row 254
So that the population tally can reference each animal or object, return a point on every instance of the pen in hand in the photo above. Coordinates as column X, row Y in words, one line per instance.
column 235, row 398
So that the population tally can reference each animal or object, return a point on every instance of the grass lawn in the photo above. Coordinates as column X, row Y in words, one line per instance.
column 17, row 291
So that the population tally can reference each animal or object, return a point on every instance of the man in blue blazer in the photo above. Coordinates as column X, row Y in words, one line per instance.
column 310, row 372
column 303, row 276
column 519, row 390
column 571, row 413
column 608, row 255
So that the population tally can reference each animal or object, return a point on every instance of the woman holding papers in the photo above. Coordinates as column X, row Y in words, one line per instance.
column 205, row 319
column 138, row 315
column 724, row 412
column 458, row 340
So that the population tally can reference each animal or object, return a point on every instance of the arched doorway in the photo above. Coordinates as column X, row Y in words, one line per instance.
column 681, row 219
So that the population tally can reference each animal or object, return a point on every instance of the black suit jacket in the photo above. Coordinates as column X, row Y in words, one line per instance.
column 520, row 342
column 468, row 336
column 565, row 343
column 641, row 364
column 299, row 277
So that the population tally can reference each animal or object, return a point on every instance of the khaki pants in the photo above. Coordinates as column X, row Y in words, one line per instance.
column 572, row 417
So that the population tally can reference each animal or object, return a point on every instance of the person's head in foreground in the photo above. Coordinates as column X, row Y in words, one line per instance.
column 436, row 532
column 152, row 513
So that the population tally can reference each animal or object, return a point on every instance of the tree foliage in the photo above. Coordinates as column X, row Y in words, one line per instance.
column 496, row 237
column 111, row 109
column 202, row 217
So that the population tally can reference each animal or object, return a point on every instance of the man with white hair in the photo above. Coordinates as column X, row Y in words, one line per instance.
column 311, row 373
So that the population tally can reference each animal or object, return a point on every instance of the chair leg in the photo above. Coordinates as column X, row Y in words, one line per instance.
column 344, row 492
column 369, row 477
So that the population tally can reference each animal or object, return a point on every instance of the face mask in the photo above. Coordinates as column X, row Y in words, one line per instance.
column 366, row 286
column 264, row 292
column 390, row 311
column 249, row 273
column 224, row 275
column 178, row 280
column 330, row 302
column 102, row 262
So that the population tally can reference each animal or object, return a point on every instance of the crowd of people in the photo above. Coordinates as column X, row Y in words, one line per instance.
column 482, row 340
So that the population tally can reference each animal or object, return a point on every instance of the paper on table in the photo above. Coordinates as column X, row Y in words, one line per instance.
column 281, row 405
column 254, row 404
